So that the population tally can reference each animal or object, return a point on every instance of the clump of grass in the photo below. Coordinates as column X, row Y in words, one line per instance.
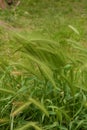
column 50, row 76
column 44, row 85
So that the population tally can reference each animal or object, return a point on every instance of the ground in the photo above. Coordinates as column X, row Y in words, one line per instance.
column 49, row 18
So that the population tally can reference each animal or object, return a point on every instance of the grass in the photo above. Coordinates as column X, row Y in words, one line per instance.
column 43, row 66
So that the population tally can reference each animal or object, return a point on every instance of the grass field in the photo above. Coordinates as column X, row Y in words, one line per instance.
column 43, row 65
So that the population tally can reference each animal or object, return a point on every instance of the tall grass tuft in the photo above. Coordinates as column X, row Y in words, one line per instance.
column 46, row 87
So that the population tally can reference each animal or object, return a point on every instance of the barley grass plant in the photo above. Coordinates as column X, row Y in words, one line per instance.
column 43, row 66
column 51, row 85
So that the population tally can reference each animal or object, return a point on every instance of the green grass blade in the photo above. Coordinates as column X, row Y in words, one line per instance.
column 29, row 125
column 39, row 105
column 7, row 91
